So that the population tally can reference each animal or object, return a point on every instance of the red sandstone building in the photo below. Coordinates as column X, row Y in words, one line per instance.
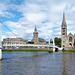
column 37, row 40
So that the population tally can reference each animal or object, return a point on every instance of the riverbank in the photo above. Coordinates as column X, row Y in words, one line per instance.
column 69, row 50
column 36, row 49
column 27, row 49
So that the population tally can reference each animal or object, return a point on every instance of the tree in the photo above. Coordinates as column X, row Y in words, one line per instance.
column 57, row 41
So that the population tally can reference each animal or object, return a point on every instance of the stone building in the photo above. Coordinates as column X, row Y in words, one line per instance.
column 67, row 40
column 14, row 40
column 37, row 40
column 11, row 41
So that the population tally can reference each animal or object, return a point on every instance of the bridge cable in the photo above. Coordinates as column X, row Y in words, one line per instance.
column 8, row 29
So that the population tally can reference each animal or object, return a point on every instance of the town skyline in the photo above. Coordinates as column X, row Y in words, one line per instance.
column 23, row 15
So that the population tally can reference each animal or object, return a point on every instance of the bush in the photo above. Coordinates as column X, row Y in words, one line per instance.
column 63, row 49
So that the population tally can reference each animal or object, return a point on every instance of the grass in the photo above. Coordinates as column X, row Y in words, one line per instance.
column 70, row 50
column 27, row 47
column 26, row 50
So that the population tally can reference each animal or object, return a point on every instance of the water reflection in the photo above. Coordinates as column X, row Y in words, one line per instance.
column 35, row 62
column 67, row 63
column 64, row 64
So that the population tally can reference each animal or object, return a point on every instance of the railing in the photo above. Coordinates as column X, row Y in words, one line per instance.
column 20, row 44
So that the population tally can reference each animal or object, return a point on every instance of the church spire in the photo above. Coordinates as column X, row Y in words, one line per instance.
column 63, row 16
column 64, row 22
column 35, row 29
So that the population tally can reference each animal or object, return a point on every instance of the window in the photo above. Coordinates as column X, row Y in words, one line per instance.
column 70, row 39
column 63, row 30
column 63, row 33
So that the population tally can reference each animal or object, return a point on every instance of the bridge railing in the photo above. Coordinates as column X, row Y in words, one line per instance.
column 21, row 44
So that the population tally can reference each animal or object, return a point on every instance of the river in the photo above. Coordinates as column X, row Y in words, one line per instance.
column 37, row 63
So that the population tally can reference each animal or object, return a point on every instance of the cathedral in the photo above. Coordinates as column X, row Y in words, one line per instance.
column 67, row 40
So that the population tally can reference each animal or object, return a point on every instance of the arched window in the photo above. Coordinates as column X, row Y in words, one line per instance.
column 70, row 39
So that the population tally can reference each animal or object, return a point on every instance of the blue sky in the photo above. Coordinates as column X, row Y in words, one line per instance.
column 21, row 16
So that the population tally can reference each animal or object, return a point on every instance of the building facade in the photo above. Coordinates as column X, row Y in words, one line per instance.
column 67, row 40
column 11, row 41
column 36, row 39
column 15, row 40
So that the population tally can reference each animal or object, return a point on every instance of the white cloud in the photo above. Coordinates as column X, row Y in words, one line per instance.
column 45, row 14
column 35, row 17
column 4, row 10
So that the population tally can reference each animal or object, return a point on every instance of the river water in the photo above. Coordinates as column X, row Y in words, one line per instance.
column 37, row 63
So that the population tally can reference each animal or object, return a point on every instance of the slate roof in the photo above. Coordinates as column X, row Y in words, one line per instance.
column 41, row 40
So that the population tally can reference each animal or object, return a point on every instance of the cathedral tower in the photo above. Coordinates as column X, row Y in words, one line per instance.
column 63, row 31
column 35, row 36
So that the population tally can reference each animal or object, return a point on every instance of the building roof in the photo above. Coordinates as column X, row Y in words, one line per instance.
column 70, row 34
column 15, row 39
column 41, row 40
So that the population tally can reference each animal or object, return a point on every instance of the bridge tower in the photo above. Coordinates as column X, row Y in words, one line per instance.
column 0, row 44
column 53, row 45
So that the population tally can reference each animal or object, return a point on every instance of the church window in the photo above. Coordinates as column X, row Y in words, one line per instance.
column 63, row 30
column 70, row 39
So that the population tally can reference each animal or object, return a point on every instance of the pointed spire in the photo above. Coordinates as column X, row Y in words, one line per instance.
column 64, row 21
column 63, row 16
column 35, row 29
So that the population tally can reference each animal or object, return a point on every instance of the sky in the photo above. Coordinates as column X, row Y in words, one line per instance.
column 21, row 17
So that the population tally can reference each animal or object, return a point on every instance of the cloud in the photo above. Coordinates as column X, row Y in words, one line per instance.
column 46, row 15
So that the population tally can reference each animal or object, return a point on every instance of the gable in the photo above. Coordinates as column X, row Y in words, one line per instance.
column 70, row 35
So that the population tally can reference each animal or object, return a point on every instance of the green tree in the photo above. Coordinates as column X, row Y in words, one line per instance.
column 57, row 41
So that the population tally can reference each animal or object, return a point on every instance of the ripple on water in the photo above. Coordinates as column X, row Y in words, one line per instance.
column 37, row 63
